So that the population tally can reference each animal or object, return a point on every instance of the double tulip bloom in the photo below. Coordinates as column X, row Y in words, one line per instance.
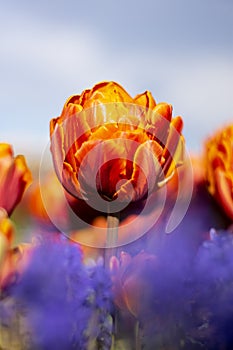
column 109, row 143
column 219, row 168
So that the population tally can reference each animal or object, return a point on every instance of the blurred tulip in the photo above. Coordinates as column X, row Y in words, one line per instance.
column 52, row 197
column 6, row 226
column 219, row 168
column 15, row 177
column 12, row 260
column 6, row 235
column 202, row 215
column 132, row 282
column 99, row 138
column 14, row 263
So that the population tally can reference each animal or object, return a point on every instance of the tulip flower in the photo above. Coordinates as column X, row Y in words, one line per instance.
column 15, row 177
column 219, row 168
column 132, row 285
column 52, row 197
column 109, row 143
column 14, row 263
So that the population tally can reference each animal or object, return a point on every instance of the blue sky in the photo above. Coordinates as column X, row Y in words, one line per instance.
column 182, row 51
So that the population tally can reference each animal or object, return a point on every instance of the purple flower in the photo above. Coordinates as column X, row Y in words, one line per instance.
column 213, row 291
column 102, row 286
column 59, row 297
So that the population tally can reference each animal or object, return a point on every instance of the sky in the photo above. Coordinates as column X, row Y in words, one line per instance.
column 182, row 51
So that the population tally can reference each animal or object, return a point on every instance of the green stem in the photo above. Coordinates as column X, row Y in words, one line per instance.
column 138, row 336
column 112, row 233
column 111, row 250
column 112, row 237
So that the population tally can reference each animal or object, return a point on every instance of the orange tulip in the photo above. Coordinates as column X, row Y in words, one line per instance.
column 6, row 234
column 132, row 282
column 15, row 262
column 6, row 226
column 52, row 197
column 109, row 143
column 219, row 168
column 14, row 178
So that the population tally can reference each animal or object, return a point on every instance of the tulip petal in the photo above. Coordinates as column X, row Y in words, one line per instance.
column 70, row 109
column 76, row 127
column 215, row 162
column 57, row 149
column 5, row 151
column 125, row 259
column 105, row 92
column 158, row 122
column 146, row 170
column 89, row 159
column 6, row 226
column 145, row 99
column 74, row 99
column 173, row 151
column 104, row 132
column 6, row 237
column 70, row 182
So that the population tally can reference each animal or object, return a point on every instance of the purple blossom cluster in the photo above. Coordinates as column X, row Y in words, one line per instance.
column 213, row 298
column 60, row 297
column 191, row 306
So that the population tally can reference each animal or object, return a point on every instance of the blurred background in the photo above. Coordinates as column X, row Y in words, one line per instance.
column 182, row 51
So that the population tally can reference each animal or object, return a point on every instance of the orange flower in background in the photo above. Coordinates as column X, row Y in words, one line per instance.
column 219, row 168
column 14, row 178
column 133, row 142
column 6, row 226
column 6, row 234
column 132, row 282
column 48, row 187
column 15, row 262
